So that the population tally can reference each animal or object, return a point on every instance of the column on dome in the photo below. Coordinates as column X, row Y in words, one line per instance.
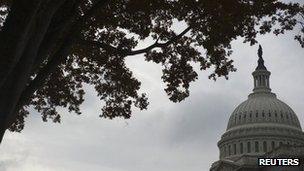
column 261, row 79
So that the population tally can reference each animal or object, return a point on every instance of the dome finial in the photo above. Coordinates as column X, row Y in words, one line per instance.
column 261, row 65
column 260, row 52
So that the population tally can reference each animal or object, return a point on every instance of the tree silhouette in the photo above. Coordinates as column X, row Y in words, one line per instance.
column 50, row 48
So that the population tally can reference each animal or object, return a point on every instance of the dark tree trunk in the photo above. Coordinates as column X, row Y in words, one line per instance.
column 15, row 35
column 35, row 31
column 19, row 70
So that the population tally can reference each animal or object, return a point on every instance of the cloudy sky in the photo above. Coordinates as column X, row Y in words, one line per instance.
column 167, row 136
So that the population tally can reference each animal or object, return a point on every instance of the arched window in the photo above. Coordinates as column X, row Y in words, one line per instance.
column 265, row 146
column 260, row 81
column 272, row 145
column 256, row 147
column 241, row 148
column 229, row 150
column 248, row 147
column 225, row 151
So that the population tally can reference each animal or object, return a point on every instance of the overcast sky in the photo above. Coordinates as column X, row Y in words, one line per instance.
column 167, row 136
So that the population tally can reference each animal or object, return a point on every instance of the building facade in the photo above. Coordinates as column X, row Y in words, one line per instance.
column 261, row 126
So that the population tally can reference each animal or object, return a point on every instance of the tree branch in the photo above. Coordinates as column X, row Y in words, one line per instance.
column 124, row 52
column 58, row 57
column 45, row 72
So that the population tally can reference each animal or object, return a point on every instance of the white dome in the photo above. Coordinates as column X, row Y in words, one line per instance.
column 261, row 123
column 263, row 108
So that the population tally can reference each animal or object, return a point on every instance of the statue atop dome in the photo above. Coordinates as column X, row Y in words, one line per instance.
column 260, row 52
column 261, row 65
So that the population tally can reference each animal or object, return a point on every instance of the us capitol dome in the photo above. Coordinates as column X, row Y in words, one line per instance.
column 261, row 126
